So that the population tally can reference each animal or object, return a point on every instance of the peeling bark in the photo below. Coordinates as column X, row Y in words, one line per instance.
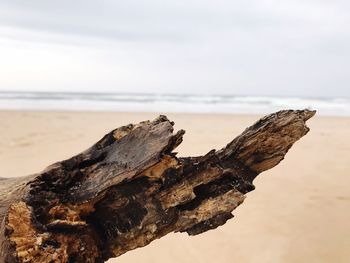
column 130, row 189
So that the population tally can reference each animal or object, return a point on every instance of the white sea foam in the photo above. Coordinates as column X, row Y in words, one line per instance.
column 168, row 103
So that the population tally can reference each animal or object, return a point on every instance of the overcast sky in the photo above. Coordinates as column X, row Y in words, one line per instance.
column 248, row 47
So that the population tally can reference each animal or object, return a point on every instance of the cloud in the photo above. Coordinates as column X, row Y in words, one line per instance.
column 248, row 47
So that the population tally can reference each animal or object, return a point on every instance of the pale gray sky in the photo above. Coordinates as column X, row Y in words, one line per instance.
column 250, row 47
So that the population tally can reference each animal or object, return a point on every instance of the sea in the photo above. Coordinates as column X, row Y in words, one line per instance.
column 164, row 103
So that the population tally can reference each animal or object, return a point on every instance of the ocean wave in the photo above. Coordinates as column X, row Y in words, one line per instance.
column 168, row 103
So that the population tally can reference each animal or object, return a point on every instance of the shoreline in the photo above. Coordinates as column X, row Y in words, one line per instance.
column 157, row 113
column 172, row 103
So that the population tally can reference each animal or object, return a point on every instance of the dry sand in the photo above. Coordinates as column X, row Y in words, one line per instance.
column 299, row 212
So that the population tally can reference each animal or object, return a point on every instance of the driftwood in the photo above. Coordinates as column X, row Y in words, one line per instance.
column 130, row 188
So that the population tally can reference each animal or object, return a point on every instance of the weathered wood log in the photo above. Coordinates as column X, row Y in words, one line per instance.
column 130, row 188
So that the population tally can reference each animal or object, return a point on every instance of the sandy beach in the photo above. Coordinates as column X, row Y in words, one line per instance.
column 299, row 212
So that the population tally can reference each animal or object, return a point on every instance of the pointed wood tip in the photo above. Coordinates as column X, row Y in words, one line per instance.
column 307, row 114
